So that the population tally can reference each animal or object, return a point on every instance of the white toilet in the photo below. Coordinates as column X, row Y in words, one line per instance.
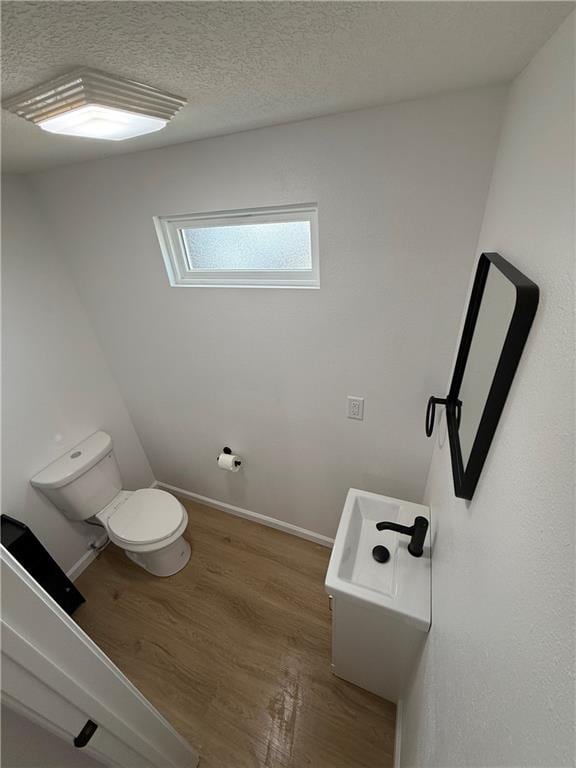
column 147, row 524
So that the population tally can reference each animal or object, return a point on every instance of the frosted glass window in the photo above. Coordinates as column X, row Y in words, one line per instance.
column 283, row 246
column 265, row 247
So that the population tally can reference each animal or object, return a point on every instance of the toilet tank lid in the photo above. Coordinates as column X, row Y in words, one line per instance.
column 74, row 462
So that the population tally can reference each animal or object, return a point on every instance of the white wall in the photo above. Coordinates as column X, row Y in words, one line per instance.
column 57, row 388
column 495, row 686
column 401, row 191
column 25, row 744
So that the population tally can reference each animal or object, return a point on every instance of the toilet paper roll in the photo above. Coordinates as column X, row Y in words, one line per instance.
column 230, row 462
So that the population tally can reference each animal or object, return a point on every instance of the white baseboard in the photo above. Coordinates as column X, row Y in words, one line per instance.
column 256, row 517
column 83, row 563
column 398, row 734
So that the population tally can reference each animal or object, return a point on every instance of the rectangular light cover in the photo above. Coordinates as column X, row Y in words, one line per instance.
column 94, row 104
column 98, row 122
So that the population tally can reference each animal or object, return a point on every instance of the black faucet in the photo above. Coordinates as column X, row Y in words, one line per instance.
column 416, row 531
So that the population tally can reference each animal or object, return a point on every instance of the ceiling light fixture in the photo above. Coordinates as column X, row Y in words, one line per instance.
column 95, row 105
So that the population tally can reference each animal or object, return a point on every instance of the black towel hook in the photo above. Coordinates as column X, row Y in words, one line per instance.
column 431, row 413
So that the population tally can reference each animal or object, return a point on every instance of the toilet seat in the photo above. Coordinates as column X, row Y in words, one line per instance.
column 146, row 520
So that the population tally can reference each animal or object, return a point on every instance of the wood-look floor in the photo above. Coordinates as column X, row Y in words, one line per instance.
column 235, row 649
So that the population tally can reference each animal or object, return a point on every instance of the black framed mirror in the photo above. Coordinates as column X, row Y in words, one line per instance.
column 500, row 312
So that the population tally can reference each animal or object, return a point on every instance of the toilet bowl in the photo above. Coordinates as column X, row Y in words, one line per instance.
column 147, row 524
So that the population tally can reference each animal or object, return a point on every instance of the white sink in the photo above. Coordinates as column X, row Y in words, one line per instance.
column 402, row 585
column 380, row 611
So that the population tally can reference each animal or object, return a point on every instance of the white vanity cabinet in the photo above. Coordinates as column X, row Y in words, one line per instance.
column 380, row 611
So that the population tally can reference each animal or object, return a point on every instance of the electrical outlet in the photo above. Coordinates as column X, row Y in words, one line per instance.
column 355, row 407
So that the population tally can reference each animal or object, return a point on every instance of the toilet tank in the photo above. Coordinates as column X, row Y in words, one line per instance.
column 84, row 480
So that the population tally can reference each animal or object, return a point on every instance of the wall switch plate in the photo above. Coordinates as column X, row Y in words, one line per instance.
column 355, row 407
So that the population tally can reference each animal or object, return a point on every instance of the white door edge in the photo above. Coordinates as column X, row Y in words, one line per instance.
column 44, row 640
column 12, row 701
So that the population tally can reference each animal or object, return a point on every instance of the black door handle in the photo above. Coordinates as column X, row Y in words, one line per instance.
column 85, row 734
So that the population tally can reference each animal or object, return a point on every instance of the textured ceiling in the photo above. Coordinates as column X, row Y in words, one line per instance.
column 248, row 64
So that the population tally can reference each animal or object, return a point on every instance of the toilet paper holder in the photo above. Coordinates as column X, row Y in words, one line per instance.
column 228, row 451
